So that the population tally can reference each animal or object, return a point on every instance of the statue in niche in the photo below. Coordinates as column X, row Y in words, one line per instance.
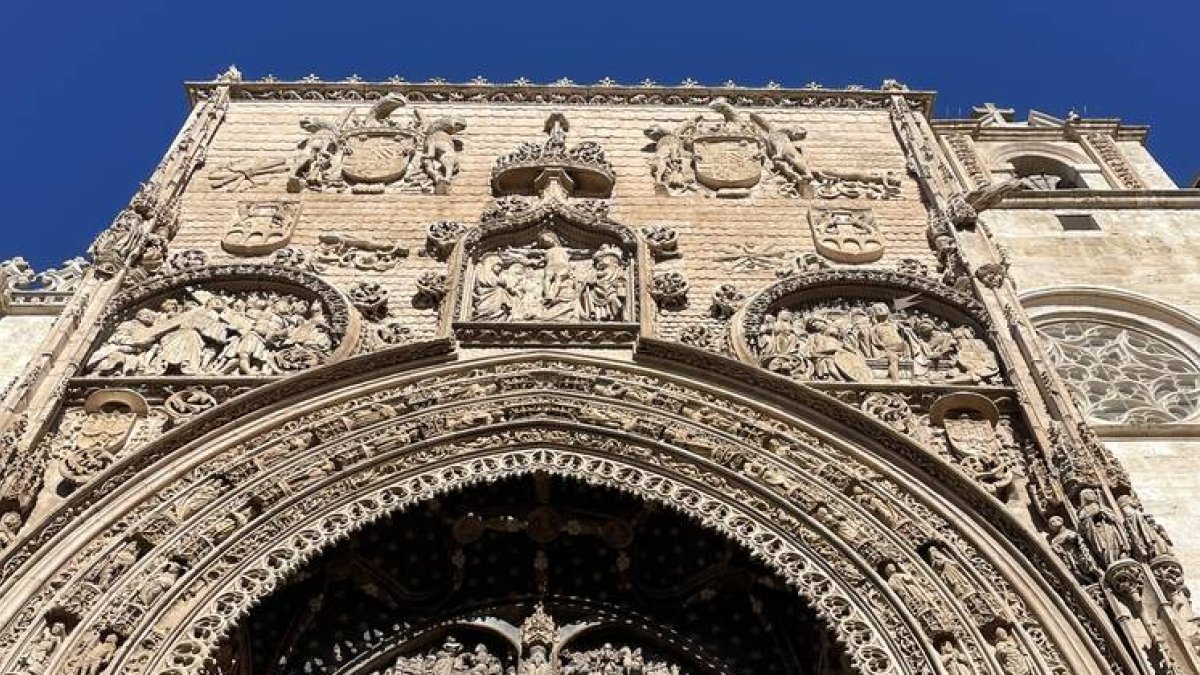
column 204, row 332
column 42, row 648
column 97, row 658
column 953, row 660
column 856, row 340
column 1146, row 538
column 1100, row 527
column 1070, row 548
column 1009, row 655
column 547, row 281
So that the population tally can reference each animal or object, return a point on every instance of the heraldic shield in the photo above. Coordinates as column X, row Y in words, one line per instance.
column 261, row 227
column 846, row 235
column 378, row 155
column 727, row 163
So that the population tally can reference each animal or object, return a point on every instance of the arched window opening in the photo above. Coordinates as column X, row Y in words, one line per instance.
column 1044, row 173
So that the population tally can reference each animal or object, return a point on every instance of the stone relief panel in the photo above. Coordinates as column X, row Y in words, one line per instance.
column 733, row 156
column 225, row 327
column 579, row 171
column 1122, row 375
column 864, row 340
column 368, row 152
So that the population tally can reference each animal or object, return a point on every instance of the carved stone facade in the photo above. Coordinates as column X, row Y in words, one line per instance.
column 476, row 381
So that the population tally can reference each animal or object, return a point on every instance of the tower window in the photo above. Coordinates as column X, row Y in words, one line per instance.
column 1077, row 223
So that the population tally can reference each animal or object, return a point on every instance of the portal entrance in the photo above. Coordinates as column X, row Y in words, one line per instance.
column 534, row 575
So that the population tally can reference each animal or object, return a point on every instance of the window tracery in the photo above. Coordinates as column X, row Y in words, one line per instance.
column 1123, row 375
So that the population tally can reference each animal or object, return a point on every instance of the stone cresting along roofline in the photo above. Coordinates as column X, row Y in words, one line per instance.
column 564, row 92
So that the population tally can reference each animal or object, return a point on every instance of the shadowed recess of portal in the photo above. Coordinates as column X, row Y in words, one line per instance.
column 533, row 576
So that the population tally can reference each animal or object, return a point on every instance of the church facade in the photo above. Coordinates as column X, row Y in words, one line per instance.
column 397, row 378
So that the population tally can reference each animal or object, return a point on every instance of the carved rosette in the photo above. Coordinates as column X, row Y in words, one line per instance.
column 223, row 321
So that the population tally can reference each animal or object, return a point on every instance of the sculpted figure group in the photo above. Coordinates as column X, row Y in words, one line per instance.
column 217, row 333
column 858, row 341
column 549, row 282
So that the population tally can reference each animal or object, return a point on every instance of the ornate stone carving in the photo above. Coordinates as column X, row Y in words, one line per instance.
column 431, row 288
column 367, row 152
column 856, row 184
column 802, row 264
column 261, row 227
column 550, row 281
column 726, row 299
column 1123, row 375
column 392, row 332
column 186, row 403
column 964, row 152
column 669, row 290
column 1074, row 552
column 846, row 235
column 662, row 240
column 579, row 171
column 214, row 331
column 341, row 250
column 114, row 247
column 370, row 298
column 992, row 275
column 242, row 175
column 440, row 237
column 751, row 256
column 1147, row 540
column 702, row 336
column 187, row 259
column 1112, row 157
column 867, row 341
column 1008, row 653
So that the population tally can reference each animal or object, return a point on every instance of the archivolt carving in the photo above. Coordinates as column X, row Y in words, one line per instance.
column 831, row 326
column 223, row 320
column 354, row 461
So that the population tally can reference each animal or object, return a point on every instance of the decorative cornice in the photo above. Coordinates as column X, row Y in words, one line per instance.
column 560, row 93
column 1087, row 200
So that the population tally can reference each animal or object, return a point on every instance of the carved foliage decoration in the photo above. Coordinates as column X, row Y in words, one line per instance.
column 816, row 327
column 1123, row 375
column 365, row 152
column 846, row 235
column 261, row 227
column 213, row 321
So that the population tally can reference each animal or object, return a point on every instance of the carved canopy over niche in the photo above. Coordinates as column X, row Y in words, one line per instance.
column 867, row 326
column 223, row 321
column 1123, row 375
column 547, row 270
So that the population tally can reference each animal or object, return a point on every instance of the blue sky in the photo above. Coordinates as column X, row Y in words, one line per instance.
column 93, row 90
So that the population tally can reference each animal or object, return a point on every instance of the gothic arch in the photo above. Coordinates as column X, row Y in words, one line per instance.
column 825, row 496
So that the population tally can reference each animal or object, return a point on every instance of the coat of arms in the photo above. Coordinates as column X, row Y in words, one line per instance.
column 972, row 437
column 261, row 227
column 725, row 157
column 846, row 235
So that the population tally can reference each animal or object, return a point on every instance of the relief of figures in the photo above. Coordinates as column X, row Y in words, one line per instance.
column 864, row 341
column 217, row 333
column 547, row 281
column 450, row 658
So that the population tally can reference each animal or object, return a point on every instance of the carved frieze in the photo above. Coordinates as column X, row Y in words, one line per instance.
column 367, row 152
column 846, row 235
column 261, row 227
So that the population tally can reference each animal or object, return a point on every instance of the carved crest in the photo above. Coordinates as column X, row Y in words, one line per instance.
column 366, row 152
column 727, row 163
column 846, row 235
column 261, row 227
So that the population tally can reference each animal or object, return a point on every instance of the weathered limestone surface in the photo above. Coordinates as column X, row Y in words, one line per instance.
column 19, row 339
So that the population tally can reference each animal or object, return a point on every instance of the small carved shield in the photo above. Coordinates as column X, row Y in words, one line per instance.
column 725, row 162
column 846, row 235
column 104, row 432
column 261, row 227
column 973, row 437
column 378, row 156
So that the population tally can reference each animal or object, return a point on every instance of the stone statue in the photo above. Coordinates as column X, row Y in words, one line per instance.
column 1070, row 548
column 1101, row 528
column 318, row 156
column 439, row 159
column 10, row 526
column 910, row 591
column 1009, row 654
column 97, row 658
column 885, row 339
column 1146, row 539
column 671, row 166
column 117, row 244
column 953, row 660
column 43, row 647
column 783, row 148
